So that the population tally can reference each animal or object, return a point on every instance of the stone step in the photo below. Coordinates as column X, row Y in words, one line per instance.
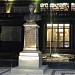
column 28, row 71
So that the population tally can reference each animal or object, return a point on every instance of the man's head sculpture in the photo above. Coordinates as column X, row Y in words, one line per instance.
column 32, row 17
column 32, row 7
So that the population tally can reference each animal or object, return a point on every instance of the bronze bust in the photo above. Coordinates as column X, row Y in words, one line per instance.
column 32, row 17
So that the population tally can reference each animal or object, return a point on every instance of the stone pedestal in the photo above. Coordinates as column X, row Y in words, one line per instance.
column 31, row 36
column 30, row 59
column 30, row 56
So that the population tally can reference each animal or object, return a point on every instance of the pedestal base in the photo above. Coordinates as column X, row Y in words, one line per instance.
column 32, row 59
column 30, row 63
column 26, row 70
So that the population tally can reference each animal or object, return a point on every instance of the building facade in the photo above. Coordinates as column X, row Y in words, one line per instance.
column 56, row 32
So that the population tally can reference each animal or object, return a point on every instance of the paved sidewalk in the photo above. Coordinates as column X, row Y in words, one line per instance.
column 6, row 71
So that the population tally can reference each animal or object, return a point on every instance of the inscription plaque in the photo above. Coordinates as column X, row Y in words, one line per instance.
column 30, row 38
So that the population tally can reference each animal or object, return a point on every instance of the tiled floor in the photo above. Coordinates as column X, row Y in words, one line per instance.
column 5, row 71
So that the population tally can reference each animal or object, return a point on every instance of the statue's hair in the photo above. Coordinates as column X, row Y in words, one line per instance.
column 32, row 5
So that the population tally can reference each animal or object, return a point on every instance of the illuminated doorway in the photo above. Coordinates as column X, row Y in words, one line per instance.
column 58, row 36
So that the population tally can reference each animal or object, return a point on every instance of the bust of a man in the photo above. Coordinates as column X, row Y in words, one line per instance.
column 32, row 17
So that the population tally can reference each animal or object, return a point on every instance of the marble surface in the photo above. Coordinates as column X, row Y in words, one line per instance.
column 4, row 70
column 48, row 72
column 29, row 59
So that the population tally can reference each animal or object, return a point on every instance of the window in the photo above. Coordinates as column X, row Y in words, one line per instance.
column 72, row 6
column 58, row 35
column 11, row 33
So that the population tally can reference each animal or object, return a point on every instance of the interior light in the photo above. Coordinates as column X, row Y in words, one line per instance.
column 8, row 6
column 67, row 24
column 55, row 24
column 60, row 24
column 60, row 30
column 52, row 24
column 72, row 3
column 61, row 34
column 49, row 25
